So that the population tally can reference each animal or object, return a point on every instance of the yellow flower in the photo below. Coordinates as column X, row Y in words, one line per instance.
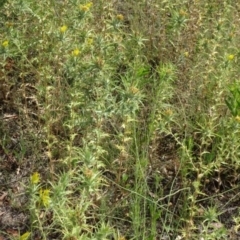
column 230, row 57
column 237, row 118
column 63, row 29
column 186, row 54
column 88, row 173
column 35, row 178
column 182, row 13
column 134, row 90
column 89, row 4
column 75, row 52
column 89, row 41
column 44, row 197
column 9, row 24
column 120, row 17
column 169, row 112
column 86, row 7
column 121, row 238
column 5, row 43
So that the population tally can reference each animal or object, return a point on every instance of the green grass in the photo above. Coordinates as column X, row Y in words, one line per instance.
column 120, row 119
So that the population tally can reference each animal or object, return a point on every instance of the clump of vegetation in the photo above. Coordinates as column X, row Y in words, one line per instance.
column 119, row 119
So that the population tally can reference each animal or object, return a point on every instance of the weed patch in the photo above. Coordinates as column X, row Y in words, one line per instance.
column 119, row 119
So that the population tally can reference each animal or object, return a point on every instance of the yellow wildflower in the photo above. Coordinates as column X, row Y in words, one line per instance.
column 89, row 4
column 75, row 52
column 121, row 238
column 88, row 173
column 230, row 57
column 182, row 13
column 44, row 197
column 134, row 90
column 169, row 112
column 120, row 17
column 63, row 29
column 237, row 118
column 35, row 178
column 186, row 54
column 9, row 24
column 5, row 43
column 86, row 7
column 89, row 41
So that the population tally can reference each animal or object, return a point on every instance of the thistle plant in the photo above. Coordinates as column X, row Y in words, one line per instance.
column 125, row 115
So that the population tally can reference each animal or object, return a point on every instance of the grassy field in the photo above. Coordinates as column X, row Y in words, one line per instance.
column 119, row 119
